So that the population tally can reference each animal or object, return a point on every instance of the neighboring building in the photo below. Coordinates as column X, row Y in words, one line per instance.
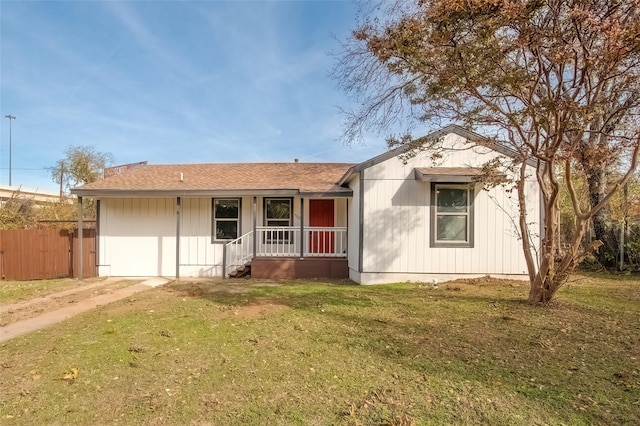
column 379, row 221
column 38, row 196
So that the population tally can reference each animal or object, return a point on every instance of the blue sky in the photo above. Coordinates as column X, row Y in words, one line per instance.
column 171, row 82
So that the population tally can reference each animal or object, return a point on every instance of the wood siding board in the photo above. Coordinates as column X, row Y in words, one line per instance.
column 385, row 250
column 370, row 231
column 190, row 232
column 104, row 224
column 184, row 242
column 426, row 259
column 510, row 263
column 367, row 202
column 136, row 206
column 166, row 206
column 370, row 215
column 359, row 216
column 418, row 237
column 502, row 240
column 204, row 229
column 144, row 206
column 404, row 256
column 487, row 220
column 405, row 228
column 153, row 207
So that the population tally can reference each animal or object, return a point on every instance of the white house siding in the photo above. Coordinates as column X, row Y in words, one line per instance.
column 353, row 247
column 396, row 227
column 340, row 213
column 137, row 237
column 200, row 257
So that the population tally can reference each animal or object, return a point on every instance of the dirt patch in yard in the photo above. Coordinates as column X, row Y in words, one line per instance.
column 38, row 306
column 225, row 307
column 210, row 289
column 258, row 308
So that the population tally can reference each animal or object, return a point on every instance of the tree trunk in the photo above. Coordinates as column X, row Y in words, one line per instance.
column 602, row 223
column 554, row 271
column 544, row 288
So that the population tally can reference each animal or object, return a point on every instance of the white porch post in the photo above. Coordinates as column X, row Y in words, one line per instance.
column 224, row 261
column 301, row 227
column 177, row 238
column 255, row 225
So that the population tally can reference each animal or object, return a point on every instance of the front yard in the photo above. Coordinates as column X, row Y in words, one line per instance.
column 320, row 353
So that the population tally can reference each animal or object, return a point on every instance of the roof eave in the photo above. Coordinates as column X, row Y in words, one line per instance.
column 163, row 193
column 347, row 175
column 346, row 193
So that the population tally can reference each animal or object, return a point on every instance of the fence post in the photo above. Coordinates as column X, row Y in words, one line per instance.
column 71, row 255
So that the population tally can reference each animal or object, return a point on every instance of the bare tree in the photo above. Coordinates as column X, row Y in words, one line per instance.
column 555, row 80
column 81, row 165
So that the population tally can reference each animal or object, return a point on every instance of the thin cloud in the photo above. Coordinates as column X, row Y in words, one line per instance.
column 172, row 82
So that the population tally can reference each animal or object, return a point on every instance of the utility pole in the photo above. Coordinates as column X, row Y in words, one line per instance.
column 61, row 179
column 11, row 118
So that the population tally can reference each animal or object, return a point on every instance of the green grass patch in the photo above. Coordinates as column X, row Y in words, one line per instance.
column 470, row 352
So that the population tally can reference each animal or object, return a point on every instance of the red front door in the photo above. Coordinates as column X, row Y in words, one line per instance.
column 321, row 215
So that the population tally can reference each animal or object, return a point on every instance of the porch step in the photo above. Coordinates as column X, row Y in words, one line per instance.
column 242, row 272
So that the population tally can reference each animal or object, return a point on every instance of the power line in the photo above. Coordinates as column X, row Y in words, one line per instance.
column 20, row 168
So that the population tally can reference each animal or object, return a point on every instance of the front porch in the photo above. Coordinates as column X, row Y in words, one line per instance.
column 299, row 268
column 288, row 252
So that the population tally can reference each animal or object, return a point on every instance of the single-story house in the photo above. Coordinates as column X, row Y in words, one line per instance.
column 384, row 220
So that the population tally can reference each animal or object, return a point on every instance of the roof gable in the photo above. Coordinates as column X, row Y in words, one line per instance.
column 452, row 128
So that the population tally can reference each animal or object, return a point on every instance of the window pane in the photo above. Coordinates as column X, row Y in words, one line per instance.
column 227, row 209
column 451, row 199
column 452, row 228
column 278, row 209
column 226, row 229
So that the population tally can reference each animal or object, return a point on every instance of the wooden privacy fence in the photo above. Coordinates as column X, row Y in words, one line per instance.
column 31, row 254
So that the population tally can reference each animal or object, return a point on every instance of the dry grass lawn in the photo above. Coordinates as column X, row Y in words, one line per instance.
column 317, row 353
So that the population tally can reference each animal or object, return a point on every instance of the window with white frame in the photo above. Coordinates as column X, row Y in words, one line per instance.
column 452, row 215
column 226, row 218
column 278, row 212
